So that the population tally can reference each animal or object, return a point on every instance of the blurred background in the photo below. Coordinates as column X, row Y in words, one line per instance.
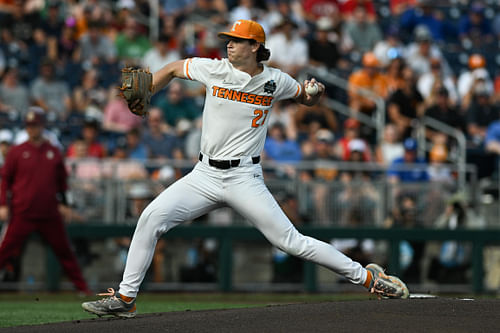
column 405, row 139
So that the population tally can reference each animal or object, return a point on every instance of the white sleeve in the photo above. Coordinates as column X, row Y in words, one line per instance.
column 287, row 87
column 200, row 69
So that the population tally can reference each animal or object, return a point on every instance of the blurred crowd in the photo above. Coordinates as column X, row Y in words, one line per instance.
column 423, row 58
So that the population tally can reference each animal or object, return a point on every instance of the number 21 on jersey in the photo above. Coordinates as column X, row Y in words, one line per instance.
column 259, row 114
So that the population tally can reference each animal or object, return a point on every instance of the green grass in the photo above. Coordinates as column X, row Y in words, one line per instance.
column 40, row 308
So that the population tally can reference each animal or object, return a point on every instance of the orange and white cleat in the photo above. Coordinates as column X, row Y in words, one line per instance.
column 386, row 286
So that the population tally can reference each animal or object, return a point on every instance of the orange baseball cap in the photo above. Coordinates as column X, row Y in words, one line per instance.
column 476, row 61
column 370, row 60
column 246, row 29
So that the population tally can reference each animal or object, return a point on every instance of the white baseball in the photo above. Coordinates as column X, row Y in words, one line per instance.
column 312, row 89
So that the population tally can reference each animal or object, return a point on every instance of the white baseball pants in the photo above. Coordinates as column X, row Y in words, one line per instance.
column 241, row 188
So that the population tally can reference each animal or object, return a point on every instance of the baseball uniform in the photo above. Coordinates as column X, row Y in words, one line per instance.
column 235, row 118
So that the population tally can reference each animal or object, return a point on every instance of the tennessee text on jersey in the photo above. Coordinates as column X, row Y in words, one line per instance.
column 243, row 97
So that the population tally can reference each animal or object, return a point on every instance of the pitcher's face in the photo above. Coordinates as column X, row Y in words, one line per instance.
column 240, row 50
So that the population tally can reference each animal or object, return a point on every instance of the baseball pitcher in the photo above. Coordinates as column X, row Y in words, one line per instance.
column 240, row 93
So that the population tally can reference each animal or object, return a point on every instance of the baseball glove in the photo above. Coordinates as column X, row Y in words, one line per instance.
column 136, row 89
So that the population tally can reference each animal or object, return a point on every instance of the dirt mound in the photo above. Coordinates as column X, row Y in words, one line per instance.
column 414, row 315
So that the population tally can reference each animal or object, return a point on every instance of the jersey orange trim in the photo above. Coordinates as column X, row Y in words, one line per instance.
column 298, row 90
column 188, row 61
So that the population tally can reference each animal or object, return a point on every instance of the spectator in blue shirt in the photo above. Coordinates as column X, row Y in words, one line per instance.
column 279, row 148
column 474, row 27
column 160, row 143
column 406, row 169
column 422, row 14
column 137, row 150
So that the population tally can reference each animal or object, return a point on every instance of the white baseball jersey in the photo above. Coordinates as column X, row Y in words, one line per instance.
column 237, row 106
column 234, row 126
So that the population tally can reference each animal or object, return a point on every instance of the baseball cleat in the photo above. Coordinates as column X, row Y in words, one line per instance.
column 113, row 305
column 386, row 286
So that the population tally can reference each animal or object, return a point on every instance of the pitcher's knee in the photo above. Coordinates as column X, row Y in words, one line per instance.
column 293, row 243
column 153, row 219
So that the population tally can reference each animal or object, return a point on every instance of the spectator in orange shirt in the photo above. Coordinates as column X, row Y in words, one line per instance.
column 370, row 78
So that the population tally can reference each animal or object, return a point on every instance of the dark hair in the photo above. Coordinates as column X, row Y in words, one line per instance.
column 263, row 54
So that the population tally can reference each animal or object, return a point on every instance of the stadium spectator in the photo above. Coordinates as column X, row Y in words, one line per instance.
column 83, row 166
column 439, row 170
column 177, row 8
column 244, row 10
column 38, row 50
column 37, row 206
column 474, row 29
column 436, row 76
column 278, row 147
column 66, row 44
column 117, row 117
column 289, row 51
column 369, row 78
column 53, row 23
column 360, row 34
column 314, row 9
column 136, row 148
column 120, row 166
column 50, row 93
column 23, row 22
column 284, row 112
column 177, row 106
column 390, row 47
column 395, row 74
column 358, row 198
column 14, row 96
column 444, row 111
column 400, row 6
column 481, row 113
column 410, row 168
column 391, row 146
column 131, row 44
column 275, row 11
column 96, row 47
column 323, row 51
column 423, row 14
column 160, row 143
column 476, row 73
column 318, row 151
column 15, row 53
column 89, row 94
column 348, row 9
column 160, row 54
column 351, row 132
column 419, row 53
column 310, row 120
column 90, row 136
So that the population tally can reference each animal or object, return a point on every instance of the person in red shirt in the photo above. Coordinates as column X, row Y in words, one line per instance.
column 90, row 134
column 31, row 194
